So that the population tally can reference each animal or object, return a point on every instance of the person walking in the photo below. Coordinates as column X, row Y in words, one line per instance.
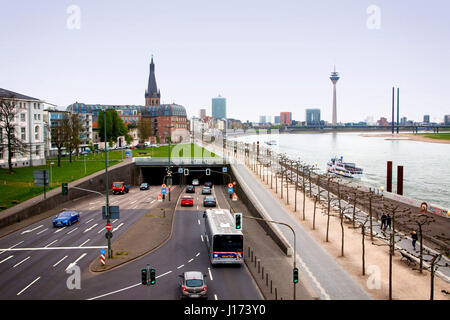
column 414, row 239
column 383, row 222
column 388, row 221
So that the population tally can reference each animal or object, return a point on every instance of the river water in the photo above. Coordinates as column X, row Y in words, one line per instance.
column 426, row 166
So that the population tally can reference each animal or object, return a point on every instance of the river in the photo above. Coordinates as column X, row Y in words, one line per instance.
column 426, row 166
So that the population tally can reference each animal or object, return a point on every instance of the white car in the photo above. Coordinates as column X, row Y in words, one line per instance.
column 195, row 182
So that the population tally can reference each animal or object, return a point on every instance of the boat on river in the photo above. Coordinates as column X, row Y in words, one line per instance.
column 271, row 142
column 346, row 169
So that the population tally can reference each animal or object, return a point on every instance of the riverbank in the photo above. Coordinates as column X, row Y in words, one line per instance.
column 412, row 137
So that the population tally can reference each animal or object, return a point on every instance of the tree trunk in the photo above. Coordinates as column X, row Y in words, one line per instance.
column 363, row 230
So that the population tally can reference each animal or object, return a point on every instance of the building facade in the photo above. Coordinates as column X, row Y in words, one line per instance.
column 219, row 108
column 29, row 126
column 312, row 117
column 286, row 118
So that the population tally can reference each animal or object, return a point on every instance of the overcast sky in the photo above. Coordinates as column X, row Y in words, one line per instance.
column 263, row 56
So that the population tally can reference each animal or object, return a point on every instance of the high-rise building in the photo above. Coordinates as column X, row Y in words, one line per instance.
column 202, row 113
column 219, row 108
column 312, row 117
column 286, row 118
column 447, row 119
column 334, row 78
column 403, row 120
column 262, row 119
column 426, row 118
column 276, row 119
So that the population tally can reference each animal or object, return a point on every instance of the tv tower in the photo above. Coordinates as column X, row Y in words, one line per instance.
column 334, row 78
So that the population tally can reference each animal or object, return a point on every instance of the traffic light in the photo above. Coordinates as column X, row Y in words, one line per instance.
column 144, row 277
column 295, row 275
column 65, row 189
column 152, row 276
column 208, row 172
column 238, row 220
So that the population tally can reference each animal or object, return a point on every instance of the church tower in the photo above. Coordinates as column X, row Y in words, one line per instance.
column 152, row 94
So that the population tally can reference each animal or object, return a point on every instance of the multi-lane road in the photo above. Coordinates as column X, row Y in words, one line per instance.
column 36, row 261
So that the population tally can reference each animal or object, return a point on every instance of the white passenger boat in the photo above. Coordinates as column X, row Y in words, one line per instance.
column 346, row 169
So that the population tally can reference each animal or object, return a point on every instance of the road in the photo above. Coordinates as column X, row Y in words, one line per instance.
column 33, row 260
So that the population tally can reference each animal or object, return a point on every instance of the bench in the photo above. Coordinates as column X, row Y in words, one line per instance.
column 408, row 258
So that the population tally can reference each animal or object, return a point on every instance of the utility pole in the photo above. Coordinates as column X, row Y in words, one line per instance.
column 107, row 186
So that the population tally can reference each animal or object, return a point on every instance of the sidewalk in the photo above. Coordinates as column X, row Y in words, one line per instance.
column 407, row 283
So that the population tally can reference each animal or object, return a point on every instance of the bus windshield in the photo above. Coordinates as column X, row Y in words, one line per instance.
column 228, row 243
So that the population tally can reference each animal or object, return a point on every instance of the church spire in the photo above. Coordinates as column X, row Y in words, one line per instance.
column 152, row 95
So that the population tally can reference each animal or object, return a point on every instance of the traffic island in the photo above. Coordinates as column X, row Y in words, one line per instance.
column 150, row 232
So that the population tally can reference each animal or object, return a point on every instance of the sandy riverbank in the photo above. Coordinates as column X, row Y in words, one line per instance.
column 404, row 136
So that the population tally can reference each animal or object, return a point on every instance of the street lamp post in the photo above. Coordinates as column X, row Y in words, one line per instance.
column 107, row 185
column 51, row 174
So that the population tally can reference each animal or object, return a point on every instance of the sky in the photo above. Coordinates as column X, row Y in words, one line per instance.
column 265, row 57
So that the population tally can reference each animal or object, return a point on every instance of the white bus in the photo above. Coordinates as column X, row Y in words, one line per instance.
column 225, row 243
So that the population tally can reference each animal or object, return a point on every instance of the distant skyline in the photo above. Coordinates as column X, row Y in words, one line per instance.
column 263, row 57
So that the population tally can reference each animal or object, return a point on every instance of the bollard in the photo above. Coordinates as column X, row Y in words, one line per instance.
column 271, row 286
column 262, row 273
column 276, row 294
column 267, row 279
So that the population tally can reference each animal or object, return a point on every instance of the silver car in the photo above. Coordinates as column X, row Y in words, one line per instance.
column 193, row 285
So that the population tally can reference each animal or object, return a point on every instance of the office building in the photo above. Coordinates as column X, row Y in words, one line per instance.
column 447, row 119
column 202, row 113
column 286, row 118
column 312, row 117
column 219, row 108
column 426, row 118
column 276, row 119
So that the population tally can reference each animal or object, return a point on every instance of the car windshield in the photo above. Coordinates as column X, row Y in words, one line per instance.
column 187, row 198
column 117, row 185
column 194, row 283
column 210, row 199
column 64, row 214
column 144, row 184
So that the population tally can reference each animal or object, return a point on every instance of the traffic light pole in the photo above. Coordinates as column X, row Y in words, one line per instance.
column 295, row 248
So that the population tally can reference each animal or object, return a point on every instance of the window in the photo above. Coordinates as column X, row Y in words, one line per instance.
column 23, row 135
column 38, row 150
column 22, row 117
column 36, row 133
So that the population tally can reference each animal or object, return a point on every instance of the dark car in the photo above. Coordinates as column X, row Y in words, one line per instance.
column 66, row 218
column 209, row 201
column 144, row 186
column 208, row 184
column 193, row 285
column 206, row 190
column 190, row 189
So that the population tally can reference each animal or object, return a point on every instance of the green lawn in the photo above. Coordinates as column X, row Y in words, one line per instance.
column 440, row 136
column 19, row 186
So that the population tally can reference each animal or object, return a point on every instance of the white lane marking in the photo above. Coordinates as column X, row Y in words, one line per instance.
column 50, row 244
column 55, row 248
column 19, row 263
column 123, row 289
column 60, row 229
column 117, row 227
column 134, row 207
column 75, row 262
column 85, row 242
column 201, row 236
column 88, row 221
column 190, row 260
column 28, row 286
column 60, row 261
column 152, row 201
column 115, row 221
column 72, row 230
column 134, row 201
column 90, row 228
column 9, row 249
column 6, row 259
column 42, row 231
column 180, row 266
column 198, row 221
column 28, row 231
column 215, row 297
column 197, row 254
column 210, row 274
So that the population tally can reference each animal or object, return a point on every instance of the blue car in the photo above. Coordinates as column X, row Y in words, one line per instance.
column 66, row 218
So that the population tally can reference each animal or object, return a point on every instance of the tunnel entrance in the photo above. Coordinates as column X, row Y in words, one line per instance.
column 154, row 175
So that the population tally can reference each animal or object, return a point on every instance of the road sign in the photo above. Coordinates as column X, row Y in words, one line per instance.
column 163, row 190
column 163, row 186
column 102, row 251
column 230, row 185
column 108, row 234
column 180, row 170
column 102, row 258
column 113, row 212
column 230, row 190
column 40, row 178
column 108, row 227
column 224, row 169
column 235, row 197
column 159, row 198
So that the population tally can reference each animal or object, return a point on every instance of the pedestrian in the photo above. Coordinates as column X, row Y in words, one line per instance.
column 414, row 239
column 388, row 221
column 383, row 222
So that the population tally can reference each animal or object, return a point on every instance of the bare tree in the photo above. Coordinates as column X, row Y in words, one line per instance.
column 59, row 134
column 8, row 138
